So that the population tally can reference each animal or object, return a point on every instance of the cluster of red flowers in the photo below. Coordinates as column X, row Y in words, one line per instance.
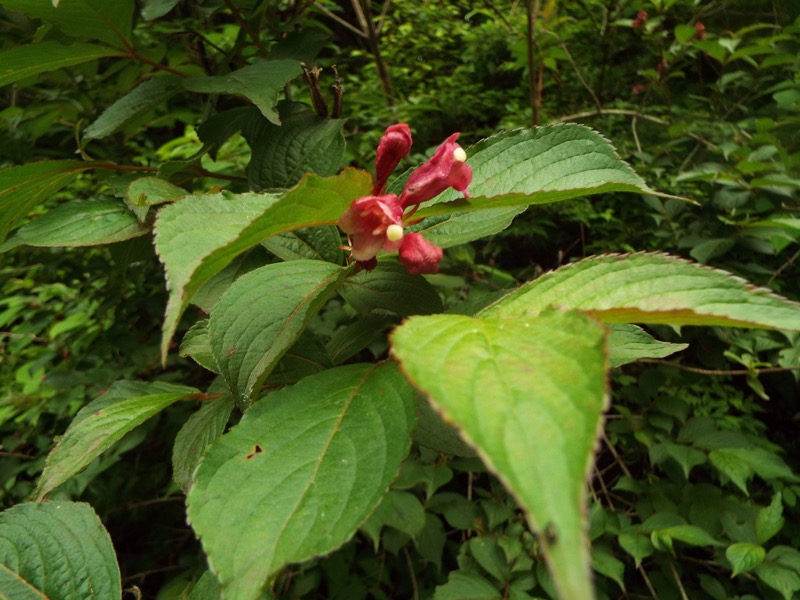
column 375, row 222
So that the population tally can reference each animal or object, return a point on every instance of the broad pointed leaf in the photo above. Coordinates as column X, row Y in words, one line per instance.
column 144, row 192
column 101, row 423
column 651, row 288
column 262, row 314
column 303, row 143
column 529, row 396
column 316, row 243
column 109, row 22
column 515, row 169
column 152, row 9
column 199, row 236
column 143, row 98
column 23, row 61
column 23, row 187
column 260, row 83
column 309, row 464
column 627, row 343
column 56, row 550
column 80, row 223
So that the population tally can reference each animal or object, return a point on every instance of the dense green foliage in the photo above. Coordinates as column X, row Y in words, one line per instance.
column 172, row 137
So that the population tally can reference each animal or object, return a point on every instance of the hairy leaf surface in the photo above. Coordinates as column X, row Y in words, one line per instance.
column 56, row 550
column 528, row 394
column 309, row 464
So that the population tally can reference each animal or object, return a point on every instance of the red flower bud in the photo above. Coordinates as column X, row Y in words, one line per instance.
column 699, row 31
column 640, row 20
column 418, row 255
column 394, row 145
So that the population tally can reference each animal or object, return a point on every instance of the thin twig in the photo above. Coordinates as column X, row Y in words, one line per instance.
column 783, row 267
column 677, row 580
column 701, row 371
column 340, row 20
column 237, row 15
column 411, row 572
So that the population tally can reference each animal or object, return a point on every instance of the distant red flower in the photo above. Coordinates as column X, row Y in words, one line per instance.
column 640, row 20
column 375, row 222
column 639, row 88
column 699, row 31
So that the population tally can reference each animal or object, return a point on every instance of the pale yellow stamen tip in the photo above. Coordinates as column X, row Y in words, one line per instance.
column 394, row 233
column 459, row 155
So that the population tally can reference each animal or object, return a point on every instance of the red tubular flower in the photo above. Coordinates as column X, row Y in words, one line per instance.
column 374, row 223
column 640, row 20
column 445, row 169
column 394, row 145
column 418, row 255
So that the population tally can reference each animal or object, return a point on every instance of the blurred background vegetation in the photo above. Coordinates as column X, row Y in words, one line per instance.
column 702, row 98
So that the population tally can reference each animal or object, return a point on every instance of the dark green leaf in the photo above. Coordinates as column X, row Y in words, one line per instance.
column 102, row 20
column 390, row 287
column 316, row 243
column 303, row 143
column 23, row 61
column 260, row 83
column 140, row 100
column 627, row 343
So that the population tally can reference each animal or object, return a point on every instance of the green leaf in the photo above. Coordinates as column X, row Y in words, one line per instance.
column 651, row 288
column 140, row 100
column 218, row 128
column 308, row 464
column 56, row 550
column 528, row 395
column 637, row 545
column 23, row 61
column 686, row 456
column 781, row 571
column 26, row 186
column 315, row 243
column 739, row 464
column 399, row 510
column 515, row 169
column 627, row 343
column 197, row 237
column 607, row 564
column 260, row 83
column 732, row 466
column 152, row 9
column 206, row 588
column 101, row 423
column 769, row 520
column 102, row 20
column 202, row 428
column 144, row 192
column 744, row 557
column 432, row 432
column 390, row 287
column 197, row 345
column 262, row 314
column 690, row 534
column 303, row 143
column 466, row 585
column 79, row 223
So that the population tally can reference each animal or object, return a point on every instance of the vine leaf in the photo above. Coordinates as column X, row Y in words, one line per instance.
column 309, row 463
column 528, row 395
